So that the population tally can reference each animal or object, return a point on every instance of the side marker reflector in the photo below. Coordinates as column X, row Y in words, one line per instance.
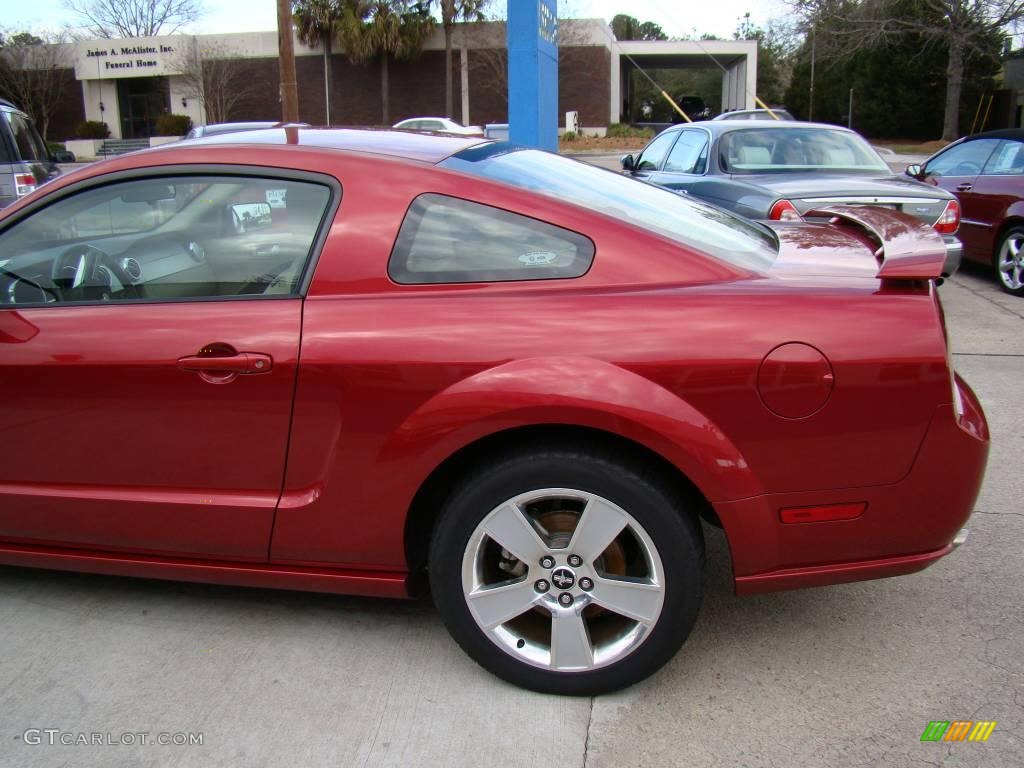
column 822, row 514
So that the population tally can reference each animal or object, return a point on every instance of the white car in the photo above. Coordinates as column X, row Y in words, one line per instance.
column 439, row 124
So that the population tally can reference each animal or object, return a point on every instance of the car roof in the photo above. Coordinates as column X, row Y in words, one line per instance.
column 719, row 127
column 425, row 148
column 1002, row 133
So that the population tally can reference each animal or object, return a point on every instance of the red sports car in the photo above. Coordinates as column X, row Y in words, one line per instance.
column 362, row 361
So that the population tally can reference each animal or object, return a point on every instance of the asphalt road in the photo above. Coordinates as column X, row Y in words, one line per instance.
column 839, row 676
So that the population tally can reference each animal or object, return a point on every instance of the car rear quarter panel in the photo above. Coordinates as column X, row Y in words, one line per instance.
column 655, row 343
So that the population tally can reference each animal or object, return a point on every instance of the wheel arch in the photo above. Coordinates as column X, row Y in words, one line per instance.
column 424, row 511
column 537, row 401
column 1014, row 218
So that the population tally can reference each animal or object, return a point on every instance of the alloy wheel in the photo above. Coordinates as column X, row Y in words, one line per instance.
column 1010, row 262
column 564, row 580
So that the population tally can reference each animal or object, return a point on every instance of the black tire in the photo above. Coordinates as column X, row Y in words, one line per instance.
column 1007, row 280
column 645, row 495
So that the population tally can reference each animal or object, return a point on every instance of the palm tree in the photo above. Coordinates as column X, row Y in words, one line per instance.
column 316, row 23
column 384, row 28
column 451, row 12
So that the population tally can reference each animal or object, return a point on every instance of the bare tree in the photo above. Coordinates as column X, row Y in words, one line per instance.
column 962, row 27
column 215, row 76
column 135, row 18
column 33, row 74
column 488, row 64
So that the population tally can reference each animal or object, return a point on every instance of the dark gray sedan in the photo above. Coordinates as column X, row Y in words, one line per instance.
column 781, row 170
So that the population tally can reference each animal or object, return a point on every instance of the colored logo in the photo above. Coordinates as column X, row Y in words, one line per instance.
column 958, row 730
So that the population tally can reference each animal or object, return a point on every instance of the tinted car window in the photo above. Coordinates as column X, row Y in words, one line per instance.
column 654, row 154
column 26, row 139
column 712, row 230
column 1006, row 160
column 5, row 154
column 965, row 159
column 447, row 240
column 690, row 153
column 172, row 237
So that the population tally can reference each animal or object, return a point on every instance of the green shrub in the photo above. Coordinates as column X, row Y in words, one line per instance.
column 170, row 124
column 570, row 136
column 92, row 129
column 624, row 131
column 54, row 146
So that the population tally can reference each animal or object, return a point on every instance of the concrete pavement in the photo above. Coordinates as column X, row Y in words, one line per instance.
column 840, row 676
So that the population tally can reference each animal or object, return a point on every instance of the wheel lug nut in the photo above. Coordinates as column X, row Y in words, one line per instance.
column 565, row 599
column 542, row 586
column 586, row 584
column 547, row 562
column 575, row 561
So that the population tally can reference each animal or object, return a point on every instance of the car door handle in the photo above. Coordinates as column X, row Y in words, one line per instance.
column 965, row 187
column 241, row 362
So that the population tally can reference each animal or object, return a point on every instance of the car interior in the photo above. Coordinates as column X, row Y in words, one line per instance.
column 189, row 237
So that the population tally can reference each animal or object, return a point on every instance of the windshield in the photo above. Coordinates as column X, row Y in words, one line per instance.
column 709, row 229
column 789, row 149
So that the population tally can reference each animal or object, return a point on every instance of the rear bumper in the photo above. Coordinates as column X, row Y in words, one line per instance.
column 954, row 255
column 837, row 573
column 906, row 526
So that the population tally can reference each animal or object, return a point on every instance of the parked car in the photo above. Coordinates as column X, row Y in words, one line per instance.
column 783, row 170
column 777, row 113
column 216, row 129
column 438, row 125
column 986, row 173
column 25, row 162
column 693, row 106
column 518, row 377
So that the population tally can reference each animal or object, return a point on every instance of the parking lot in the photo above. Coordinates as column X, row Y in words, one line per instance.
column 840, row 676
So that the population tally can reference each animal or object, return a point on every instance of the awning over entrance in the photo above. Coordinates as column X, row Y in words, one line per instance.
column 736, row 59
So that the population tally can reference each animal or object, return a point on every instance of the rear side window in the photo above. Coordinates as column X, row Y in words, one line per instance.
column 26, row 139
column 448, row 240
column 5, row 153
column 1007, row 160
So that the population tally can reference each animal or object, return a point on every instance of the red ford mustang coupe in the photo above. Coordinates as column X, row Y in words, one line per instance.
column 359, row 361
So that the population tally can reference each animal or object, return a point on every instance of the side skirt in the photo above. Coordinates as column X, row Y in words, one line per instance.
column 270, row 576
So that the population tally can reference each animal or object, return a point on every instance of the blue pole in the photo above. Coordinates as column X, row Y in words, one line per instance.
column 533, row 73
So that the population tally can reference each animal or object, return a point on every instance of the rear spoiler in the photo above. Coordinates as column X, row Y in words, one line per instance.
column 907, row 248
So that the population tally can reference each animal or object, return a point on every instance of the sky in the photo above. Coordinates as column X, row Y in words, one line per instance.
column 679, row 18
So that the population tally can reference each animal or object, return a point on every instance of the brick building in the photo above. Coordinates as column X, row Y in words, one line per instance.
column 128, row 83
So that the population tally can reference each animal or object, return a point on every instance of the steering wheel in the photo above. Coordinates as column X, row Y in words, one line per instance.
column 83, row 273
column 965, row 168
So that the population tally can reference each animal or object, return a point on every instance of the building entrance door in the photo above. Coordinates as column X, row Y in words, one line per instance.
column 142, row 100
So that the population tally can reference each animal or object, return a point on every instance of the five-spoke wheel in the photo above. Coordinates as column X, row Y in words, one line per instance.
column 1010, row 261
column 567, row 572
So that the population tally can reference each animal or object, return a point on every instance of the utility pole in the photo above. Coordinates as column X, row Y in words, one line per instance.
column 810, row 105
column 849, row 114
column 286, row 54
